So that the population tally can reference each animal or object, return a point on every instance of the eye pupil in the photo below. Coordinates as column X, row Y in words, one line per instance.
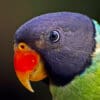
column 54, row 36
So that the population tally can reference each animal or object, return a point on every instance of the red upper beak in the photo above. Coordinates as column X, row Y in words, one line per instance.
column 28, row 65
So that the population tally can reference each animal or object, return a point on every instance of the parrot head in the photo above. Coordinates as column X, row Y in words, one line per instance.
column 55, row 45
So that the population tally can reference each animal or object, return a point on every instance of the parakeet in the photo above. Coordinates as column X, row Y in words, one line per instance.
column 64, row 47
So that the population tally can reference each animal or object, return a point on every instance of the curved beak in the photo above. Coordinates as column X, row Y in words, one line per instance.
column 28, row 65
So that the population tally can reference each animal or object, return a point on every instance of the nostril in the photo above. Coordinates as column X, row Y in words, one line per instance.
column 22, row 46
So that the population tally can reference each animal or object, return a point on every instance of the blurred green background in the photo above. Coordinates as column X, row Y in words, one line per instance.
column 13, row 13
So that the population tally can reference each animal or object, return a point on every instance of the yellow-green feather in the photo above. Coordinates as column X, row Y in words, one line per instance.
column 87, row 85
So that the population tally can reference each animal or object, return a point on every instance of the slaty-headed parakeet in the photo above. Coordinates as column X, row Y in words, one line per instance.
column 63, row 46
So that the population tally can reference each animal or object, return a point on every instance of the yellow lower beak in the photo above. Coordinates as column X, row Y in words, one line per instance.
column 38, row 74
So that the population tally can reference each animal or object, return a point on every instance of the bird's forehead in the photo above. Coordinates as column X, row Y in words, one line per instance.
column 64, row 20
column 55, row 20
column 45, row 22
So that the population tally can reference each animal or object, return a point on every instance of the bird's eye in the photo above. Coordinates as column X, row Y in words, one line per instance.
column 54, row 36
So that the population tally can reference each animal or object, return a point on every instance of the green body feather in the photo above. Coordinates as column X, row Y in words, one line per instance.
column 87, row 85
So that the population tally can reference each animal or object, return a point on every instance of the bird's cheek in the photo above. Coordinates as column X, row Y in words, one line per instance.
column 28, row 66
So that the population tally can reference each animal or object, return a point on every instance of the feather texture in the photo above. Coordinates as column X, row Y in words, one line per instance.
column 87, row 85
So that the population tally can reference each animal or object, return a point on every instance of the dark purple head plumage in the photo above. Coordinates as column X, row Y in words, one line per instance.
column 65, row 41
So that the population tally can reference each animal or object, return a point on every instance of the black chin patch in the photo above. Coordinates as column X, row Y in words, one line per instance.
column 63, row 80
column 63, row 71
